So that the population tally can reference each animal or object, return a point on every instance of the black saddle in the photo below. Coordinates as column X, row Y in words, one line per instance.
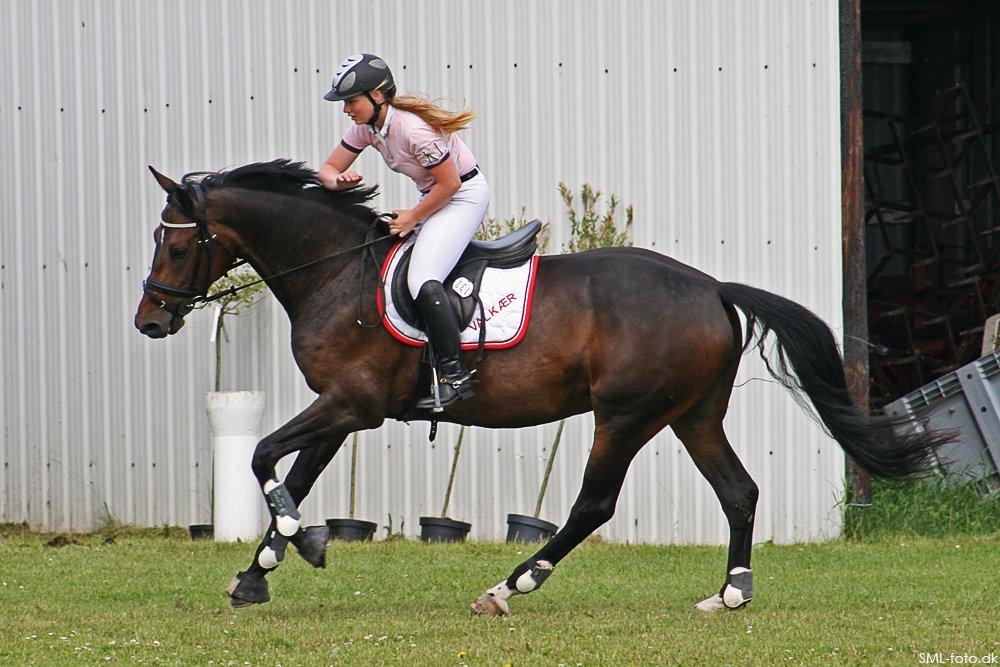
column 507, row 252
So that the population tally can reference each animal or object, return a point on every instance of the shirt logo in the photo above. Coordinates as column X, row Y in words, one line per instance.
column 431, row 154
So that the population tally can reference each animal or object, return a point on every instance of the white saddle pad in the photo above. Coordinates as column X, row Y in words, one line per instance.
column 506, row 296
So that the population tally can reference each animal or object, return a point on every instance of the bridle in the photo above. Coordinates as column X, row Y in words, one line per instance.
column 191, row 295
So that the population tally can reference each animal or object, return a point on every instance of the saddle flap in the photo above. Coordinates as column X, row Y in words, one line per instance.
column 463, row 299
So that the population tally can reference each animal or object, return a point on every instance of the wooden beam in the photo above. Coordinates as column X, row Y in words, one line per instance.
column 855, row 273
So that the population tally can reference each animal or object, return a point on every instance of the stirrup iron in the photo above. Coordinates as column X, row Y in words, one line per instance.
column 436, row 391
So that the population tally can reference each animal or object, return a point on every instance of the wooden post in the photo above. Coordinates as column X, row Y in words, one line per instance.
column 451, row 477
column 354, row 472
column 855, row 274
column 548, row 469
column 219, row 317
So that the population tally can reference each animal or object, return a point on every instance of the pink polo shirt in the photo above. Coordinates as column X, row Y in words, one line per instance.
column 411, row 146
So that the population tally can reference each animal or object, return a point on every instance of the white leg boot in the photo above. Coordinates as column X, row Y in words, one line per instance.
column 737, row 592
column 494, row 601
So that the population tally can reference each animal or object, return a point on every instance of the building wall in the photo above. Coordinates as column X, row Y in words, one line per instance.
column 718, row 120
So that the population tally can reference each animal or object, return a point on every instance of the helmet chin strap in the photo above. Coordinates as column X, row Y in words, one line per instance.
column 378, row 110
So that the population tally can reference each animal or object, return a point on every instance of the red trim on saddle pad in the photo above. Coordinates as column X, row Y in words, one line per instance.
column 503, row 345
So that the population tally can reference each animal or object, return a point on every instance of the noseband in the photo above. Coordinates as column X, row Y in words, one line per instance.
column 191, row 295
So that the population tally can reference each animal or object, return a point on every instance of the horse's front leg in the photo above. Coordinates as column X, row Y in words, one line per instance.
column 250, row 587
column 319, row 430
column 321, row 423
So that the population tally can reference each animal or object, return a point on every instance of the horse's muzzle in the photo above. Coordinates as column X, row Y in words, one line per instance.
column 158, row 324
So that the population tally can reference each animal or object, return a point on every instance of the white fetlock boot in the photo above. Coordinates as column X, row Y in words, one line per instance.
column 273, row 554
column 737, row 592
column 286, row 516
column 739, row 588
column 494, row 601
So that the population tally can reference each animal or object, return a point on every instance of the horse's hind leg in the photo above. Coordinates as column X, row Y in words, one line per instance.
column 616, row 442
column 249, row 586
column 700, row 429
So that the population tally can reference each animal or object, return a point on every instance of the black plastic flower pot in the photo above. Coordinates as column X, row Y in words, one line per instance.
column 521, row 528
column 351, row 530
column 436, row 529
column 201, row 531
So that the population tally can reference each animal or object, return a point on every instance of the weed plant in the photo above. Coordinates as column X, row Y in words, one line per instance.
column 939, row 507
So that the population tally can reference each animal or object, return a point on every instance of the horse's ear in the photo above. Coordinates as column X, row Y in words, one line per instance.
column 165, row 182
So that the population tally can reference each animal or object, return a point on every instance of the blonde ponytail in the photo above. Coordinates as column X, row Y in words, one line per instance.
column 440, row 119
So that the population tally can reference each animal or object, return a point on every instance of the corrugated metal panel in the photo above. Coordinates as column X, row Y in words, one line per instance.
column 718, row 120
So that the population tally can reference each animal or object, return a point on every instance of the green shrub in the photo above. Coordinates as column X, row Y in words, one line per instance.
column 590, row 229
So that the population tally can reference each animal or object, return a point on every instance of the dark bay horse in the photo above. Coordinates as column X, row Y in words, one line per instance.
column 640, row 339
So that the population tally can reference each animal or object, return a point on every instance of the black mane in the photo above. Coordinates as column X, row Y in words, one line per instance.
column 282, row 176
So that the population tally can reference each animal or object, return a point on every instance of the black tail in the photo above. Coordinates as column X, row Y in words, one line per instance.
column 806, row 344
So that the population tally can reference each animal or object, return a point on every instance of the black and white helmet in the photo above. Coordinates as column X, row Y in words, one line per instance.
column 358, row 74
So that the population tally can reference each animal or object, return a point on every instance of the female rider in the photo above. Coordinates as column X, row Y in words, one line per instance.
column 416, row 138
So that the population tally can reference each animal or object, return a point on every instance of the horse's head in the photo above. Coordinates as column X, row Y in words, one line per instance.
column 189, row 256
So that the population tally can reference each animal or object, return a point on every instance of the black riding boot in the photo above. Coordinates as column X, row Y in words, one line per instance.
column 455, row 381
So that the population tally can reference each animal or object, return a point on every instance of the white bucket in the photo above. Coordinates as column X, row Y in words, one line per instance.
column 238, row 511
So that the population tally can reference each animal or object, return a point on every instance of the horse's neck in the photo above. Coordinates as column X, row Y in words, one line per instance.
column 278, row 237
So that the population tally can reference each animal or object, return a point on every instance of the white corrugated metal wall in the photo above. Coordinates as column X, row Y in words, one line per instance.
column 717, row 119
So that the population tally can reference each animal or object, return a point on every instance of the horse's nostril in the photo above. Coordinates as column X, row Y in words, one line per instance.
column 151, row 329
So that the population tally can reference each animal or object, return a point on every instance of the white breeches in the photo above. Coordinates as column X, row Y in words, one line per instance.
column 443, row 236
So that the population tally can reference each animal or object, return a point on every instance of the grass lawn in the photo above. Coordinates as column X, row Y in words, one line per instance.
column 155, row 599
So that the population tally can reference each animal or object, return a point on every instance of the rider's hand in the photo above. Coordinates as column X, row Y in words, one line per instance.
column 348, row 179
column 403, row 223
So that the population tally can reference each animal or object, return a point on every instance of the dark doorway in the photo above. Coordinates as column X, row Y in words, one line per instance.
column 932, row 193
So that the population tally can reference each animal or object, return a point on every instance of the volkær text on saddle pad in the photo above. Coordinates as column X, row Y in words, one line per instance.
column 492, row 311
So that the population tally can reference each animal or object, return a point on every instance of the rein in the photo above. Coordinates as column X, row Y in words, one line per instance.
column 369, row 242
column 195, row 297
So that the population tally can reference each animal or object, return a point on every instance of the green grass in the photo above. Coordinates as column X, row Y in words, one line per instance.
column 151, row 598
column 933, row 508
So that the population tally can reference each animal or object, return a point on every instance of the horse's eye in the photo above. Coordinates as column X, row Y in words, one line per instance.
column 178, row 252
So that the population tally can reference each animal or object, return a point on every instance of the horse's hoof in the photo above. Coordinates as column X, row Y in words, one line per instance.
column 247, row 590
column 237, row 603
column 311, row 543
column 716, row 602
column 489, row 605
column 711, row 605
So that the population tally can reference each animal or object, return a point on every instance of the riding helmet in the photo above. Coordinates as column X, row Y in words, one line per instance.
column 358, row 74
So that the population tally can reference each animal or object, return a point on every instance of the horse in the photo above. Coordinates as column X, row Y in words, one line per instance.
column 595, row 343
